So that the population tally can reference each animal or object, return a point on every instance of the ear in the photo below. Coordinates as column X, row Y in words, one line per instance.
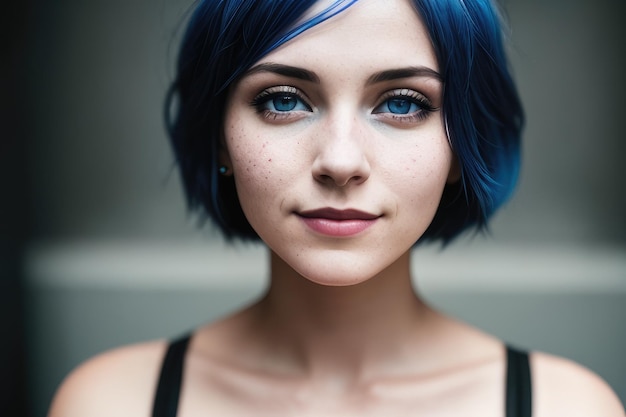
column 224, row 159
column 454, row 175
column 224, row 156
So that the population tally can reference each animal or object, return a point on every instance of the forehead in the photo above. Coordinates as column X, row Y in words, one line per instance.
column 371, row 34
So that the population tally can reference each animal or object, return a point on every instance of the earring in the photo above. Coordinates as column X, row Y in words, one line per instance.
column 224, row 170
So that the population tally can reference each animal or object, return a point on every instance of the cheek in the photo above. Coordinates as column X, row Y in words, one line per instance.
column 423, row 173
column 254, row 164
column 245, row 148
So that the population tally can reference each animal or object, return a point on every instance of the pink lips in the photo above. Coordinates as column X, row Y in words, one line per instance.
column 338, row 223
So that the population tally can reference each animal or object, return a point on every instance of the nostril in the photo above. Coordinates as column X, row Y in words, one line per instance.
column 327, row 179
column 351, row 180
column 339, row 181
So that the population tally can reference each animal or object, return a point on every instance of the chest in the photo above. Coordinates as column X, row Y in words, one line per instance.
column 493, row 390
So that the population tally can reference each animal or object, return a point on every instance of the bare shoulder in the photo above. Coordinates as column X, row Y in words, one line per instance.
column 564, row 388
column 119, row 382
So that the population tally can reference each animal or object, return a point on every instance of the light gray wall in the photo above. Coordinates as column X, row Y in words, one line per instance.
column 101, row 165
column 101, row 170
column 71, row 324
column 568, row 56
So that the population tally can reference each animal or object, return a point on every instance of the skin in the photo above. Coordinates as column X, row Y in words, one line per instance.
column 340, row 331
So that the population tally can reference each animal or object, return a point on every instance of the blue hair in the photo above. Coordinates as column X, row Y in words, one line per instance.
column 481, row 109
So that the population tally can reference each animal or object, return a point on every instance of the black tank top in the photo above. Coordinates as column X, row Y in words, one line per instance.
column 518, row 383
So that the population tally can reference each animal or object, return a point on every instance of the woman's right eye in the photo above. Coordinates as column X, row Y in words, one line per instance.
column 280, row 101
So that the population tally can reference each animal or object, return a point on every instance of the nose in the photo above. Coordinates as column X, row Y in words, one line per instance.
column 342, row 157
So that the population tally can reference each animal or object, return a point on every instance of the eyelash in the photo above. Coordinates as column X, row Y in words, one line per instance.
column 425, row 107
column 292, row 95
column 261, row 102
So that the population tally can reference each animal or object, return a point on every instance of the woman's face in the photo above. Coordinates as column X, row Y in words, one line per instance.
column 337, row 144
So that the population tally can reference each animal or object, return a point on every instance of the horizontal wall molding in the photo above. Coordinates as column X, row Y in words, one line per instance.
column 170, row 265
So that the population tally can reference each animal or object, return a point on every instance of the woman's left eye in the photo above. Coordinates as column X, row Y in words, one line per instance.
column 404, row 105
column 398, row 106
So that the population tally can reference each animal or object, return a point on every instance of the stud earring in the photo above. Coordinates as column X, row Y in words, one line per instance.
column 224, row 170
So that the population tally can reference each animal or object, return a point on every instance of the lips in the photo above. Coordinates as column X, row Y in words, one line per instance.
column 338, row 223
column 334, row 214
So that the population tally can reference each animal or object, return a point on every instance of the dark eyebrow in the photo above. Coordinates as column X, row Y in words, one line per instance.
column 285, row 70
column 395, row 74
column 306, row 75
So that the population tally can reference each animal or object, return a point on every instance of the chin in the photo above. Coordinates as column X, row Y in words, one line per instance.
column 342, row 281
column 337, row 274
column 336, row 267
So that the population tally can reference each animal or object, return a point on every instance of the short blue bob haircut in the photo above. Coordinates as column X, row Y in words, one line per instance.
column 481, row 107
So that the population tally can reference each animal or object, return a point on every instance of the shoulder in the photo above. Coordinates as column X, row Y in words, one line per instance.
column 120, row 382
column 563, row 387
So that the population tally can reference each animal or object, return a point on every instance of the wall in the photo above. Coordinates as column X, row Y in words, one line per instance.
column 102, row 166
column 13, row 223
column 104, row 192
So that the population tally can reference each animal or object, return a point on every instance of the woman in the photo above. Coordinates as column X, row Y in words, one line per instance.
column 341, row 133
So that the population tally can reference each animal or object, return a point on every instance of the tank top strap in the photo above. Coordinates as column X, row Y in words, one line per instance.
column 170, row 379
column 518, row 384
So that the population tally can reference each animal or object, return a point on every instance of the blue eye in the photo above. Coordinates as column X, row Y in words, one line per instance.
column 285, row 102
column 404, row 105
column 400, row 106
column 280, row 100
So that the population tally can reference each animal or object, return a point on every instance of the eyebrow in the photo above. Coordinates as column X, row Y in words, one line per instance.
column 408, row 72
column 285, row 70
column 382, row 76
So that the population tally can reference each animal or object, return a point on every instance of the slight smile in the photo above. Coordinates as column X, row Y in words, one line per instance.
column 338, row 223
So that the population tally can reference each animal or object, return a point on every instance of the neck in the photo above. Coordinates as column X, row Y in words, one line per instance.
column 345, row 329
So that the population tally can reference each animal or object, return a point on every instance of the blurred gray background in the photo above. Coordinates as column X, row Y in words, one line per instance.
column 110, row 255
